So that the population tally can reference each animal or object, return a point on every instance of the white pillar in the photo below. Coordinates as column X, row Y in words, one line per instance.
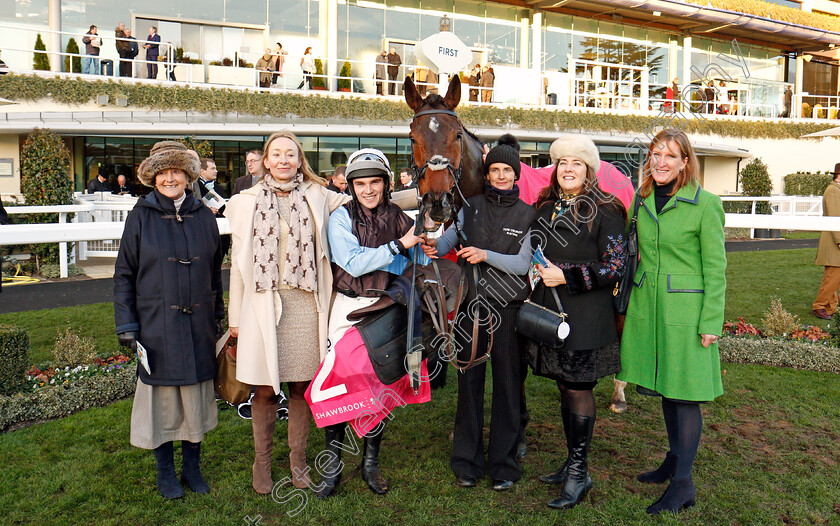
column 523, row 43
column 685, row 78
column 329, row 20
column 536, row 54
column 54, row 17
column 797, row 87
column 673, row 60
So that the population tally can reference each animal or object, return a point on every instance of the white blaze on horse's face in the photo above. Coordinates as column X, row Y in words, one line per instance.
column 434, row 125
column 438, row 163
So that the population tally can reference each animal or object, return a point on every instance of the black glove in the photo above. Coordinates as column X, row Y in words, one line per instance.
column 220, row 328
column 128, row 340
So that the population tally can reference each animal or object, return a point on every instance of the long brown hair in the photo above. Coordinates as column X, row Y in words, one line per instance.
column 581, row 208
column 689, row 174
column 305, row 169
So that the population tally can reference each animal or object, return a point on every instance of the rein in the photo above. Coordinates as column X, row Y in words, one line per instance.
column 417, row 172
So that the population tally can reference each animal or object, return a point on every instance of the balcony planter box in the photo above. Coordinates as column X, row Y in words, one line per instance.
column 230, row 75
column 346, row 90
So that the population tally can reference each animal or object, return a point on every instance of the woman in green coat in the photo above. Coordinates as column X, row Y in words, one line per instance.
column 674, row 319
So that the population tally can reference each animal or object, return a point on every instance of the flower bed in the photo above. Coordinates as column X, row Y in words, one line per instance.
column 780, row 353
column 804, row 333
column 69, row 390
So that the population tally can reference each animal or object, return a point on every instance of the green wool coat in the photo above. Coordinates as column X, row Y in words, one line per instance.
column 678, row 295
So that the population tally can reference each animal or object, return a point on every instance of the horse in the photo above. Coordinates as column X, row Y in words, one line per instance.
column 448, row 168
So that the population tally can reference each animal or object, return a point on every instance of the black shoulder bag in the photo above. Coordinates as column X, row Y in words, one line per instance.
column 542, row 324
column 622, row 290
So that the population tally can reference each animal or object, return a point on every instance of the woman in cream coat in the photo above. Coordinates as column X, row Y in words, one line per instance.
column 283, row 218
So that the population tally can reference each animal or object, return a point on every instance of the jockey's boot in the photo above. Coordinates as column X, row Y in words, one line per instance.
column 678, row 496
column 578, row 483
column 559, row 476
column 333, row 437
column 299, row 419
column 661, row 474
column 263, row 420
column 190, row 469
column 167, row 482
column 370, row 464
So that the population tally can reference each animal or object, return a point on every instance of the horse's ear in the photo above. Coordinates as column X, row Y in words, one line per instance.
column 453, row 93
column 412, row 96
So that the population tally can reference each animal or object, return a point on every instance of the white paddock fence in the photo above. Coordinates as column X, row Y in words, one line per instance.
column 788, row 205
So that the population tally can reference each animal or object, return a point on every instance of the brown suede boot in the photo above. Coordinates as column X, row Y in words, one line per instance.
column 299, row 419
column 263, row 419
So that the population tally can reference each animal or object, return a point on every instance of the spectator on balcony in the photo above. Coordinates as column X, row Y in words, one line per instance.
column 788, row 101
column 279, row 59
column 152, row 52
column 394, row 62
column 381, row 66
column 133, row 51
column 123, row 50
column 92, row 42
column 722, row 98
column 488, row 79
column 672, row 95
column 474, row 81
column 710, row 93
column 122, row 186
column 254, row 166
column 99, row 183
column 307, row 66
column 265, row 65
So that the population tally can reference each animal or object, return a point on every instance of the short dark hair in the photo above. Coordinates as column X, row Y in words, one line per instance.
column 255, row 152
column 205, row 161
column 92, row 27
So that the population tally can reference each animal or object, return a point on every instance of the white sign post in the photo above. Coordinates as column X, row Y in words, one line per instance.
column 445, row 53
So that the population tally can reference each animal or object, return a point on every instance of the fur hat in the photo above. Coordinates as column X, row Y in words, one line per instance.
column 576, row 146
column 166, row 155
column 506, row 151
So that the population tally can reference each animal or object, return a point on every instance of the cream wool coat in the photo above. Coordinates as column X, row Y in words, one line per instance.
column 257, row 315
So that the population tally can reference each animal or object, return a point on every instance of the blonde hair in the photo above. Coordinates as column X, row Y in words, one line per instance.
column 305, row 169
column 692, row 167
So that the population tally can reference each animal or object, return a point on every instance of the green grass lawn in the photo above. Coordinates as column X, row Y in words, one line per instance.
column 769, row 453
column 800, row 234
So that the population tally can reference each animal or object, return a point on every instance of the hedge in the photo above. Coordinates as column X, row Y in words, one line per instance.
column 65, row 399
column 774, row 11
column 14, row 359
column 288, row 106
column 780, row 353
column 806, row 183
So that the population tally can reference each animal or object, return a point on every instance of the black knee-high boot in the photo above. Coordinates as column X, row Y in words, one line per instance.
column 578, row 483
column 370, row 465
column 333, row 436
column 559, row 476
column 190, row 469
column 167, row 482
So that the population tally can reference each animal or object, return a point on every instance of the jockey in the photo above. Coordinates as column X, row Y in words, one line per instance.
column 370, row 238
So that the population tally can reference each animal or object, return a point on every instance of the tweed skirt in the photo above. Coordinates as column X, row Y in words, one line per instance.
column 164, row 413
column 298, row 342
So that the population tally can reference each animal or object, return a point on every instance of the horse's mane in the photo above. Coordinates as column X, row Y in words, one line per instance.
column 436, row 102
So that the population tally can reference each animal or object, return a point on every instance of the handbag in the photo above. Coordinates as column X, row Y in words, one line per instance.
column 542, row 324
column 622, row 290
column 226, row 384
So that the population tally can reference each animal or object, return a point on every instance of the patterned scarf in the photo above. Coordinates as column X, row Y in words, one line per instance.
column 299, row 269
column 563, row 204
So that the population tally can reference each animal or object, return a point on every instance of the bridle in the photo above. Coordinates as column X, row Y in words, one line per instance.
column 418, row 172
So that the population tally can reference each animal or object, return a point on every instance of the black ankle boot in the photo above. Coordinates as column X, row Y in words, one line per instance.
column 578, row 483
column 559, row 476
column 679, row 496
column 370, row 465
column 662, row 473
column 167, row 482
column 333, row 435
column 190, row 470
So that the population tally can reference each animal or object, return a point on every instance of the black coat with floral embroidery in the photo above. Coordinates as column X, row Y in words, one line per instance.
column 593, row 261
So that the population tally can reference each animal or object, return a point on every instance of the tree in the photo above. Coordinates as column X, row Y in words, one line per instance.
column 75, row 61
column 45, row 179
column 41, row 61
column 755, row 181
column 344, row 83
column 318, row 80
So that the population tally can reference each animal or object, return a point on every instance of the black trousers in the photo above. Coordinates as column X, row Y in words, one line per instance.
column 468, row 445
column 392, row 84
column 125, row 64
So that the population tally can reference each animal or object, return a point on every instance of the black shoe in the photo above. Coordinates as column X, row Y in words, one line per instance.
column 679, row 496
column 333, row 437
column 466, row 481
column 167, row 482
column 370, row 465
column 578, row 483
column 559, row 476
column 661, row 474
column 190, row 470
column 502, row 485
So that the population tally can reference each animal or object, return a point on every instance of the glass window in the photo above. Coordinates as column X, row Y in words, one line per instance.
column 502, row 44
column 556, row 48
column 360, row 32
column 240, row 12
column 334, row 151
column 469, row 31
column 94, row 157
column 404, row 25
column 31, row 12
column 293, row 18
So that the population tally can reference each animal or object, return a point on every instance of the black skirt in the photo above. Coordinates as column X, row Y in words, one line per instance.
column 587, row 365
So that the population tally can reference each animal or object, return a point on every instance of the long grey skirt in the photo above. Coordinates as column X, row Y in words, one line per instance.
column 164, row 413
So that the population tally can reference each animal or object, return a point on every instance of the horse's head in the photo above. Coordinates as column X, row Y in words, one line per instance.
column 436, row 142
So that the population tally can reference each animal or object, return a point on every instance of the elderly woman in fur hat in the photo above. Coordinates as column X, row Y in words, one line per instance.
column 168, row 297
column 581, row 231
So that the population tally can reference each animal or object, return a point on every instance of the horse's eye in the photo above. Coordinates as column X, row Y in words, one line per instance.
column 411, row 139
column 458, row 136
